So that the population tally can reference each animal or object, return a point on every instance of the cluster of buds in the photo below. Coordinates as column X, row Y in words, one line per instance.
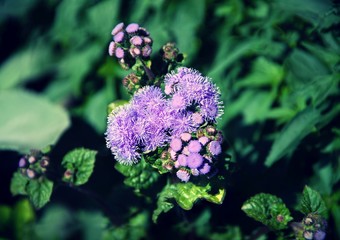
column 312, row 227
column 170, row 53
column 132, row 82
column 34, row 164
column 129, row 43
column 193, row 154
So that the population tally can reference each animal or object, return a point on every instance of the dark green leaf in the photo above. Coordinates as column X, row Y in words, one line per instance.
column 269, row 210
column 81, row 162
column 312, row 202
column 291, row 135
column 18, row 184
column 139, row 176
column 39, row 191
column 5, row 217
column 29, row 121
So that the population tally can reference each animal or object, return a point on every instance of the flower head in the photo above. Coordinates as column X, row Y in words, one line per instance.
column 214, row 148
column 195, row 160
column 183, row 175
column 194, row 146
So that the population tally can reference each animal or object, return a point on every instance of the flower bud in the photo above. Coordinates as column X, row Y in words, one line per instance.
column 211, row 131
column 30, row 173
column 183, row 175
column 68, row 174
column 23, row 162
column 44, row 162
column 132, row 28
column 118, row 28
column 308, row 235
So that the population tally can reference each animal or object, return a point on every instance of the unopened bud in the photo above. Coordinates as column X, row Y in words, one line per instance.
column 211, row 130
column 30, row 173
column 44, row 162
column 68, row 174
column 168, row 165
column 308, row 235
column 32, row 159
column 308, row 221
column 22, row 162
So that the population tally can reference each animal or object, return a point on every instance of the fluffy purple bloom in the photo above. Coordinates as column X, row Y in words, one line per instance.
column 117, row 28
column 215, row 148
column 194, row 146
column 194, row 160
column 180, row 122
column 178, row 102
column 198, row 90
column 205, row 169
column 183, row 175
column 197, row 118
column 182, row 160
column 132, row 27
column 118, row 37
column 176, row 144
column 139, row 126
column 22, row 162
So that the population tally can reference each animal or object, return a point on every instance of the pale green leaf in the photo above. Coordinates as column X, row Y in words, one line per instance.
column 29, row 121
column 291, row 135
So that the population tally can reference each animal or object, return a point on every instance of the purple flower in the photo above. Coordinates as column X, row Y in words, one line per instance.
column 112, row 48
column 132, row 27
column 119, row 52
column 319, row 235
column 136, row 40
column 117, row 28
column 22, row 162
column 118, row 37
column 176, row 144
column 146, row 51
column 195, row 160
column 183, row 175
column 214, row 148
column 178, row 102
column 182, row 160
column 205, row 168
column 180, row 122
column 194, row 146
column 198, row 91
column 186, row 137
column 134, row 52
column 197, row 118
column 203, row 140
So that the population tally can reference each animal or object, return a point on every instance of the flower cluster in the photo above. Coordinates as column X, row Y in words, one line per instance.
column 194, row 154
column 130, row 42
column 312, row 227
column 33, row 165
column 179, row 121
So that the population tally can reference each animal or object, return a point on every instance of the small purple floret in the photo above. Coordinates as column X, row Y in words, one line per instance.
column 186, row 137
column 176, row 144
column 22, row 162
column 136, row 40
column 214, row 148
column 146, row 51
column 194, row 146
column 132, row 27
column 205, row 169
column 203, row 140
column 195, row 160
column 119, row 52
column 182, row 160
column 117, row 28
column 319, row 235
column 183, row 175
column 112, row 48
column 118, row 37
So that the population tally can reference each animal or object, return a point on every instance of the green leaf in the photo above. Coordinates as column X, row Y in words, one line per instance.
column 312, row 202
column 291, row 135
column 39, row 191
column 269, row 210
column 31, row 62
column 264, row 73
column 139, row 176
column 18, row 184
column 186, row 195
column 5, row 217
column 23, row 216
column 29, row 121
column 81, row 162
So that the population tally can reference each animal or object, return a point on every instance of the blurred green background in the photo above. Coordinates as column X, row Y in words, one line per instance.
column 278, row 67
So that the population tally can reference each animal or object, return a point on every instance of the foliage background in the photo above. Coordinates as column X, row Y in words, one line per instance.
column 277, row 65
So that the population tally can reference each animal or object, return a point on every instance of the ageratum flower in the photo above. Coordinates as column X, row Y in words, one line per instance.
column 139, row 126
column 190, row 90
